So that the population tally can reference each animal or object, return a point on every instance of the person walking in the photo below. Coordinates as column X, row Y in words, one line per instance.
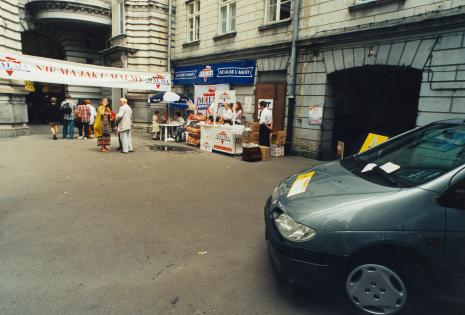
column 265, row 125
column 124, row 118
column 83, row 113
column 102, row 126
column 68, row 107
column 53, row 116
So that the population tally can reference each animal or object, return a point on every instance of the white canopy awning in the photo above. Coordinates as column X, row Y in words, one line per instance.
column 31, row 68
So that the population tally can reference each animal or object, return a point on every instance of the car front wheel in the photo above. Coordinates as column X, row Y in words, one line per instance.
column 376, row 289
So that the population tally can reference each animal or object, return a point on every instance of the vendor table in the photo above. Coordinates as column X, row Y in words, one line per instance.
column 222, row 138
column 166, row 128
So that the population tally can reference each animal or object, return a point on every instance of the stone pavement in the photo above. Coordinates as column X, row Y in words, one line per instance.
column 83, row 232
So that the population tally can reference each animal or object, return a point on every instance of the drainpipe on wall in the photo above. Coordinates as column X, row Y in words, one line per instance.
column 293, row 77
column 170, row 16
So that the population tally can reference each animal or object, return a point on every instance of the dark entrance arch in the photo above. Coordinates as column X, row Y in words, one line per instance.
column 36, row 44
column 376, row 99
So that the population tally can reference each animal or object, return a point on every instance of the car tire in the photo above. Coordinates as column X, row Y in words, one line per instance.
column 383, row 286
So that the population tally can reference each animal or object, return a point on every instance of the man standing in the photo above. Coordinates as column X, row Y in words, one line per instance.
column 265, row 125
column 84, row 116
column 124, row 117
column 68, row 106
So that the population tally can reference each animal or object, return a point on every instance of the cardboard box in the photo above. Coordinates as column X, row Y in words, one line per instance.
column 254, row 137
column 277, row 150
column 278, row 141
column 279, row 137
column 265, row 153
column 251, row 154
column 255, row 127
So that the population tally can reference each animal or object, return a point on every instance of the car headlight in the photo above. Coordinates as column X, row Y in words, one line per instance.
column 292, row 230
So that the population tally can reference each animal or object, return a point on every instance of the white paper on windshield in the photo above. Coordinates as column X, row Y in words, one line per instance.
column 300, row 185
column 369, row 167
column 390, row 167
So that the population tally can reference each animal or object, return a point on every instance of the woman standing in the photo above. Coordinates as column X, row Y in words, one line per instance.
column 239, row 113
column 53, row 116
column 102, row 126
column 228, row 115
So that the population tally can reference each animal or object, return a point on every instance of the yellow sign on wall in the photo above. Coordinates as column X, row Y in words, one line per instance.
column 372, row 141
column 29, row 86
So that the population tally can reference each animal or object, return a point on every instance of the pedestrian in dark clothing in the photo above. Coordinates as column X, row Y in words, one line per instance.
column 53, row 116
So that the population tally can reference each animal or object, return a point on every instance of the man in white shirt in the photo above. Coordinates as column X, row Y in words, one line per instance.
column 265, row 125
column 124, row 117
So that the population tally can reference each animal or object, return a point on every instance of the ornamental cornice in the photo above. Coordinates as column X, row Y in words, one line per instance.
column 36, row 7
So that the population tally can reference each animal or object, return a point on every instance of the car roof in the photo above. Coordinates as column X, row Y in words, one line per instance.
column 451, row 121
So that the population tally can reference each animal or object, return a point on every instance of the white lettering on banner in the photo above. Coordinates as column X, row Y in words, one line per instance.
column 25, row 67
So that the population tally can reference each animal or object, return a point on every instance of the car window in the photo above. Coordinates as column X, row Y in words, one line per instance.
column 419, row 156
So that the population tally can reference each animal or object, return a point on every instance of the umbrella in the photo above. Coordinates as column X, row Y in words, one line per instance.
column 178, row 100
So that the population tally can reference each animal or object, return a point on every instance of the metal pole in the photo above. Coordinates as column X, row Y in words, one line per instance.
column 292, row 76
column 170, row 16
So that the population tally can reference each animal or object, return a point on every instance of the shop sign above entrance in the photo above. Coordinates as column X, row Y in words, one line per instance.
column 237, row 72
column 25, row 67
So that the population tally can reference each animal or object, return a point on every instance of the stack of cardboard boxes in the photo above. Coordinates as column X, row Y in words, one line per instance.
column 278, row 140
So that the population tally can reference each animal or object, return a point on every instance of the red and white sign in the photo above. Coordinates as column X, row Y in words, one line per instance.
column 225, row 96
column 25, row 67
column 205, row 94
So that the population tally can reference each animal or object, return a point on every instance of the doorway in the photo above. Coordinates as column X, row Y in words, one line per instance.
column 36, row 44
column 374, row 99
column 272, row 85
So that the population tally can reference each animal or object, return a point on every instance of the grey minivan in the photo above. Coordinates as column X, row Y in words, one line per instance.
column 384, row 228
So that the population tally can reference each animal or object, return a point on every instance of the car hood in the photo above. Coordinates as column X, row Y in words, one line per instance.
column 331, row 191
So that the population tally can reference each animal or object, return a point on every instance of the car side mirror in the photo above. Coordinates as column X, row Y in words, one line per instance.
column 453, row 198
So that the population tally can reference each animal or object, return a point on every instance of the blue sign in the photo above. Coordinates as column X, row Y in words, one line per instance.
column 237, row 72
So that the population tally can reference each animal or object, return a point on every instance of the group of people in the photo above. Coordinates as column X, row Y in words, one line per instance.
column 92, row 122
column 232, row 113
column 229, row 114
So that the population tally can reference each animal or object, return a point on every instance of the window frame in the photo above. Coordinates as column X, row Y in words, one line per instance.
column 227, row 4
column 278, row 11
column 195, row 16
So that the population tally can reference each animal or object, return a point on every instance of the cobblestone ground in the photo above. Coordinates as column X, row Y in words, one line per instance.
column 83, row 232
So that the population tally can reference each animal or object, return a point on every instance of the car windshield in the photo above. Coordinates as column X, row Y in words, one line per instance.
column 413, row 159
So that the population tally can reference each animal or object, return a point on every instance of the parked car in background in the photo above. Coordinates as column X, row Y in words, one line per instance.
column 382, row 227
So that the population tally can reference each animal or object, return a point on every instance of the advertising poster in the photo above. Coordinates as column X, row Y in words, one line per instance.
column 204, row 95
column 225, row 96
column 248, row 104
column 315, row 114
column 269, row 102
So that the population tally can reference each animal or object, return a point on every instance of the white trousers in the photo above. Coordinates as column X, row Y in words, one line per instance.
column 126, row 141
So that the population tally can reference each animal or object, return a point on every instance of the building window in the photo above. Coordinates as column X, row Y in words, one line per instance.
column 193, row 20
column 227, row 16
column 277, row 10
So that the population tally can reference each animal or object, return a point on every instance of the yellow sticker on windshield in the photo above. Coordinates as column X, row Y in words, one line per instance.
column 372, row 141
column 300, row 184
